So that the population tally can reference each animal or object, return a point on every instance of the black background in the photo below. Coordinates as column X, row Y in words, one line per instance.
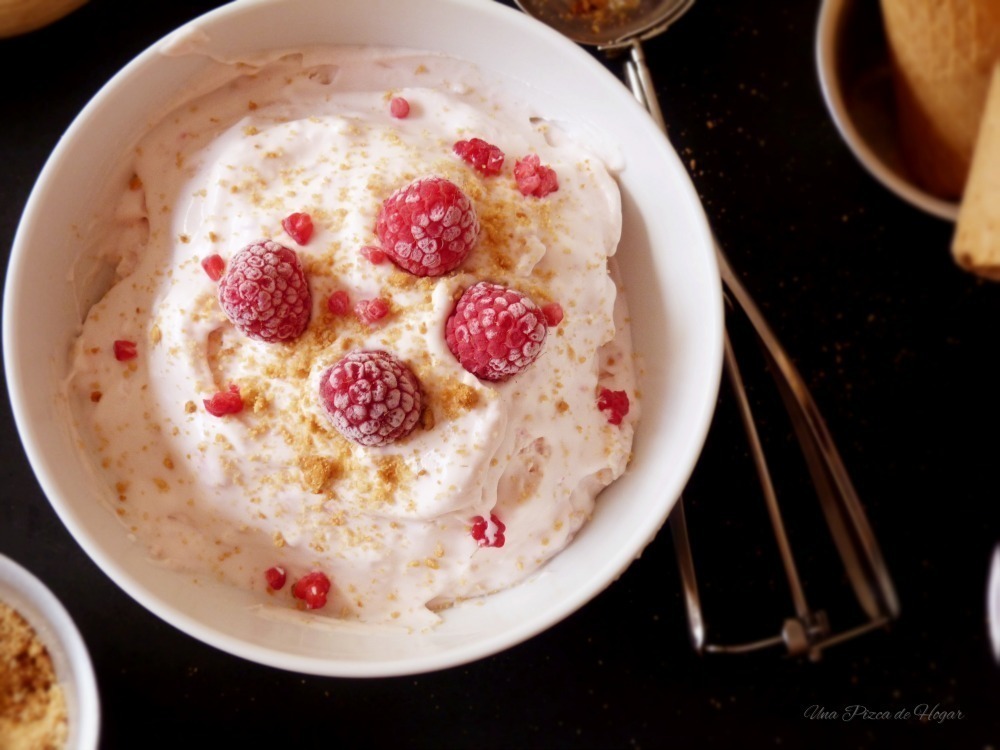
column 896, row 342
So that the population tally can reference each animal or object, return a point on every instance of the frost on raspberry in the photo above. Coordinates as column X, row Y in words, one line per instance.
column 372, row 397
column 264, row 292
column 312, row 589
column 484, row 157
column 534, row 178
column 299, row 227
column 488, row 532
column 615, row 403
column 427, row 227
column 495, row 332
column 224, row 402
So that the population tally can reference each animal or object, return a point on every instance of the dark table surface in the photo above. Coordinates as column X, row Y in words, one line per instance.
column 895, row 341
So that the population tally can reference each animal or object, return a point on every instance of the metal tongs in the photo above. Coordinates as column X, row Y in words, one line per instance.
column 807, row 631
column 624, row 26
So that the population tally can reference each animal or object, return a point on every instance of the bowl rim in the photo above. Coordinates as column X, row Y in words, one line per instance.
column 51, row 621
column 465, row 653
column 827, row 35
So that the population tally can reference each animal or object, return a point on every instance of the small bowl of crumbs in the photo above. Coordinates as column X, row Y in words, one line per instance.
column 48, row 693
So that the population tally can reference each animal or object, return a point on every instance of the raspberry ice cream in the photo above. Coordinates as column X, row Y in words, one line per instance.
column 316, row 378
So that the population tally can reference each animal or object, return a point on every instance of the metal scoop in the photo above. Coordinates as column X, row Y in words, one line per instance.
column 620, row 24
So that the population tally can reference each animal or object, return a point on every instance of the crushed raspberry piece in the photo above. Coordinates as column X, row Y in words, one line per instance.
column 338, row 303
column 125, row 350
column 615, row 403
column 553, row 313
column 264, row 292
column 427, row 227
column 299, row 227
column 224, row 402
column 484, row 157
column 488, row 533
column 372, row 397
column 214, row 265
column 312, row 589
column 375, row 255
column 399, row 107
column 495, row 332
column 371, row 310
column 275, row 577
column 534, row 178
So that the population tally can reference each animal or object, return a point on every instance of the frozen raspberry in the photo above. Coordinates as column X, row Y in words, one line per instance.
column 338, row 303
column 484, row 157
column 553, row 313
column 534, row 178
column 495, row 332
column 615, row 403
column 375, row 255
column 399, row 107
column 264, row 292
column 488, row 533
column 214, row 265
column 372, row 397
column 371, row 310
column 312, row 589
column 299, row 227
column 224, row 402
column 275, row 577
column 427, row 227
column 125, row 350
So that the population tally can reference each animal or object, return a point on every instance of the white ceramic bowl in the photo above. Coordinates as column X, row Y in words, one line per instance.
column 26, row 594
column 856, row 80
column 666, row 258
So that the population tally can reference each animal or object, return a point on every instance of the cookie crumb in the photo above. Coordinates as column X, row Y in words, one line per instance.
column 32, row 704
